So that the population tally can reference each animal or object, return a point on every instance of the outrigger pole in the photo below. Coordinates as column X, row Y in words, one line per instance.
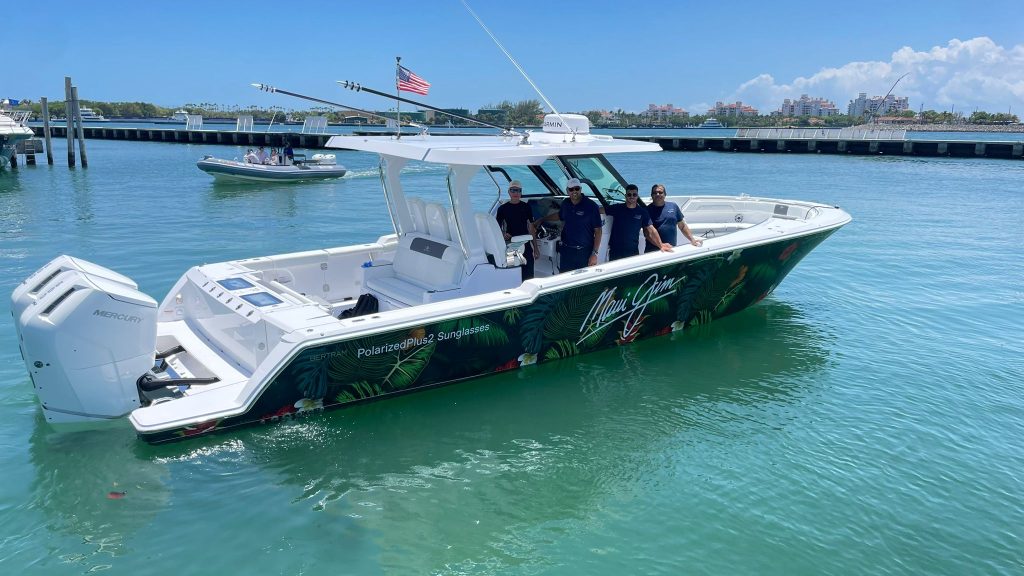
column 275, row 90
column 360, row 88
column 398, row 106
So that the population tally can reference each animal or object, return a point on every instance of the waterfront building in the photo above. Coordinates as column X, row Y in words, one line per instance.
column 735, row 109
column 890, row 104
column 806, row 106
column 656, row 114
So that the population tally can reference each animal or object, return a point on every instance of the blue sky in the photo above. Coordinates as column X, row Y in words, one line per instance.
column 583, row 54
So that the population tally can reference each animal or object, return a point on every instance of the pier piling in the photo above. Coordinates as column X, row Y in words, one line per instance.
column 46, row 129
column 69, row 115
column 78, row 119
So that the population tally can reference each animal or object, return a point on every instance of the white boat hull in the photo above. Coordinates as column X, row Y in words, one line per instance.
column 233, row 170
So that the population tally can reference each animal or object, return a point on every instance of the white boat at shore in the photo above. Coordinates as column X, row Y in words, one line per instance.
column 437, row 300
column 317, row 167
column 711, row 123
column 13, row 129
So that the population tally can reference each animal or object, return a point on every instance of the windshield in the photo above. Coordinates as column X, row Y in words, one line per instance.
column 602, row 182
column 599, row 174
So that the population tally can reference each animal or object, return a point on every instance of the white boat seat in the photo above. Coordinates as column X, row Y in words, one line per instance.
column 437, row 221
column 418, row 213
column 606, row 234
column 422, row 267
column 504, row 255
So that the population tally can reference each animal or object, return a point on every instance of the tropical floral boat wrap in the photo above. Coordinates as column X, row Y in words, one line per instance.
column 560, row 324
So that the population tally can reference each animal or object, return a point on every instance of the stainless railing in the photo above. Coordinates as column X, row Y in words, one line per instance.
column 19, row 117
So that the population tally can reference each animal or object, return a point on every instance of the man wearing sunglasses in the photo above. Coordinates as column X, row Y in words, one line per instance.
column 628, row 219
column 667, row 217
column 516, row 219
column 581, row 232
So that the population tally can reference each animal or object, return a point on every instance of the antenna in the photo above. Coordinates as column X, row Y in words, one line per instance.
column 518, row 67
column 275, row 90
column 891, row 88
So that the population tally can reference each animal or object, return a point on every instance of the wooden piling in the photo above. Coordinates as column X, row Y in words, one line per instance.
column 70, row 117
column 46, row 129
column 81, row 135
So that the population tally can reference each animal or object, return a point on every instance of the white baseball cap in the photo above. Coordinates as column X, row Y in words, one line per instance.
column 573, row 182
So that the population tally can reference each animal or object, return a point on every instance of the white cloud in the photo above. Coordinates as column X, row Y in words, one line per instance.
column 976, row 73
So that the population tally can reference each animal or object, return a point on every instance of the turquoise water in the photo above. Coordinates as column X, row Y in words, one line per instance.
column 867, row 418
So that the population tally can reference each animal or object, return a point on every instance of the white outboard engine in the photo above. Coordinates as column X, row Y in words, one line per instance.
column 86, row 334
column 324, row 159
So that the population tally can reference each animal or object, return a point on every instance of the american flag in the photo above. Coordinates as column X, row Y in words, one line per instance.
column 410, row 82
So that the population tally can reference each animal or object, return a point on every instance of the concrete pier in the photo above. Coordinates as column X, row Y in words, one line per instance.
column 182, row 136
column 953, row 148
column 893, row 147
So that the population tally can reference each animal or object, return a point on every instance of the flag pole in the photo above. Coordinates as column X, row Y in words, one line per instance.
column 398, row 104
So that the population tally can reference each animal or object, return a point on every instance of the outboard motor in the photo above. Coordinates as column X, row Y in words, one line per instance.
column 86, row 334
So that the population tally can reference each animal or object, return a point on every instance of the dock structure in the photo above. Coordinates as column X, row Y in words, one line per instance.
column 844, row 141
column 203, row 136
column 772, row 140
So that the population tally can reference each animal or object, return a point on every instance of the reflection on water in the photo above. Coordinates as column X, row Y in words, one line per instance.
column 90, row 486
column 589, row 429
column 81, row 197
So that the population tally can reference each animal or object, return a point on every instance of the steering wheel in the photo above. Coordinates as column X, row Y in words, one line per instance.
column 615, row 190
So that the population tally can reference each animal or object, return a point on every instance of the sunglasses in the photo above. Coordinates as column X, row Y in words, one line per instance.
column 515, row 190
column 632, row 194
column 574, row 189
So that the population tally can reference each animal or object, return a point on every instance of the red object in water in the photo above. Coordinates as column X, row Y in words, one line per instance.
column 116, row 495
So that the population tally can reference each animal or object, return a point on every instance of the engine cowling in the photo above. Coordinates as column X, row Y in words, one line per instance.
column 86, row 334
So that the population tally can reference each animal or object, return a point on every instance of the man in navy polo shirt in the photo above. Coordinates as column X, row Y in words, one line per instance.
column 581, row 232
column 628, row 219
column 667, row 217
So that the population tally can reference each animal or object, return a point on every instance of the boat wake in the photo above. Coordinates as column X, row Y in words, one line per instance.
column 375, row 172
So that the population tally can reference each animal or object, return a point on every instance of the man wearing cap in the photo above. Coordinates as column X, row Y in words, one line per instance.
column 667, row 217
column 516, row 218
column 581, row 232
column 628, row 219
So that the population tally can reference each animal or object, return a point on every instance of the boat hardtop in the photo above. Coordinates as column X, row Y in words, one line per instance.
column 437, row 300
